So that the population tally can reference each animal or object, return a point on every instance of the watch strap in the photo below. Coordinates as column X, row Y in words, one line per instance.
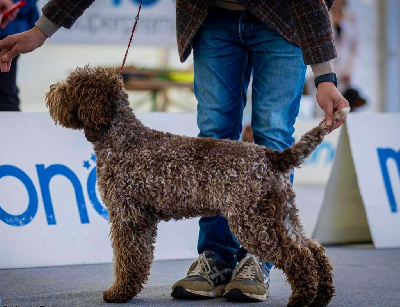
column 326, row 78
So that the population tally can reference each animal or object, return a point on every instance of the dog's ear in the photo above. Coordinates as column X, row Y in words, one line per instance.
column 96, row 90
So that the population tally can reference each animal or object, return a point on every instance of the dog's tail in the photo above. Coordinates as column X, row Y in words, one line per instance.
column 294, row 156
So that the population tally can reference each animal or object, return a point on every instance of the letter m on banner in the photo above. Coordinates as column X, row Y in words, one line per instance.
column 384, row 155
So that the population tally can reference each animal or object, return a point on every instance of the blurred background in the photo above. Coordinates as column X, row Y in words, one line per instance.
column 367, row 44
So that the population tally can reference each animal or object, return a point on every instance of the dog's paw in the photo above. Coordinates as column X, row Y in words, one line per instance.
column 116, row 295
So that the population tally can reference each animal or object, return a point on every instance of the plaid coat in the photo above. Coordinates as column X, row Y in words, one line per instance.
column 302, row 22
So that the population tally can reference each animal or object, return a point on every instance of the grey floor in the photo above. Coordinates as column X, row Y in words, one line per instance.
column 363, row 277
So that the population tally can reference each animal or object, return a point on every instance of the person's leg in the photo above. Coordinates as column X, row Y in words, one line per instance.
column 222, row 74
column 9, row 100
column 278, row 79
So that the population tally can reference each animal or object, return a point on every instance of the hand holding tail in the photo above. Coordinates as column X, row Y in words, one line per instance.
column 331, row 101
column 294, row 156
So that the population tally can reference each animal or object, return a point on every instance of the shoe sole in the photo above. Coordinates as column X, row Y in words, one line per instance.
column 182, row 293
column 238, row 295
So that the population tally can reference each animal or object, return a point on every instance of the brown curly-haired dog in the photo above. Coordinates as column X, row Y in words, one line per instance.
column 145, row 176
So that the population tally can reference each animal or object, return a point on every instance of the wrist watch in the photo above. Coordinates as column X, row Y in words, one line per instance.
column 326, row 78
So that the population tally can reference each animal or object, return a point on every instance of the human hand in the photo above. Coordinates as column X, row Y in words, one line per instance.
column 24, row 42
column 330, row 100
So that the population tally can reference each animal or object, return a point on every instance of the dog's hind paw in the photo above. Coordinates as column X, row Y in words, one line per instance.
column 117, row 295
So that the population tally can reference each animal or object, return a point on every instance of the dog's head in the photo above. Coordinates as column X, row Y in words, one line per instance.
column 86, row 100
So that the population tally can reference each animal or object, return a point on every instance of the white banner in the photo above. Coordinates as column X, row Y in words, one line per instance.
column 317, row 168
column 111, row 22
column 362, row 200
column 50, row 211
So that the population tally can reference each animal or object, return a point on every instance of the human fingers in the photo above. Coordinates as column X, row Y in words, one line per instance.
column 3, row 51
column 340, row 104
column 9, row 48
column 338, row 124
column 6, row 44
column 3, row 66
column 10, row 54
column 327, row 107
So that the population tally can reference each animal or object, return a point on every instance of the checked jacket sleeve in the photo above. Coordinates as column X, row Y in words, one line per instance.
column 313, row 28
column 65, row 13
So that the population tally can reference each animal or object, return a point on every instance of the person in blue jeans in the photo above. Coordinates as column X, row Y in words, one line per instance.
column 230, row 47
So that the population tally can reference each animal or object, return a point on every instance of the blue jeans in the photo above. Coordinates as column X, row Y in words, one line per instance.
column 229, row 48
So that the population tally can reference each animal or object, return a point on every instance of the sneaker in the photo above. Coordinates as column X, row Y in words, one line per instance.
column 206, row 278
column 250, row 281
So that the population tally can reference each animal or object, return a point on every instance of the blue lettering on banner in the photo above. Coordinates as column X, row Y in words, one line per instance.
column 91, row 188
column 384, row 154
column 316, row 155
column 30, row 212
column 45, row 174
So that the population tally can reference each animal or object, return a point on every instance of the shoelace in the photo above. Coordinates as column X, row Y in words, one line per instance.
column 248, row 270
column 201, row 266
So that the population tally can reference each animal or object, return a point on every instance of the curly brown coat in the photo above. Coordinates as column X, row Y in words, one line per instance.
column 145, row 176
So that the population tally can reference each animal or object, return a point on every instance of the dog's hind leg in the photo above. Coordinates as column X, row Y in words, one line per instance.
column 326, row 289
column 264, row 235
column 133, row 246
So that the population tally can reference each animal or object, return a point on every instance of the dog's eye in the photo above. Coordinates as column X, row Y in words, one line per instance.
column 53, row 85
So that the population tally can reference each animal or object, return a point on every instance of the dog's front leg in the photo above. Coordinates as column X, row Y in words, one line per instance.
column 133, row 246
